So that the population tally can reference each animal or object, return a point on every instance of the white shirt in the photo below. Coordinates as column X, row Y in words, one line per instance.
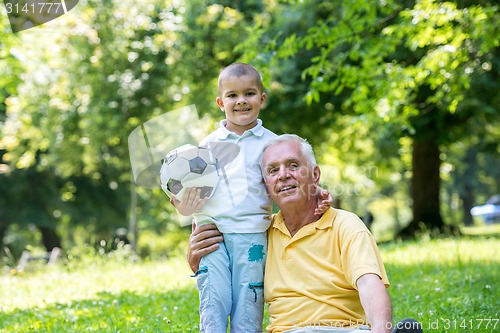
column 240, row 203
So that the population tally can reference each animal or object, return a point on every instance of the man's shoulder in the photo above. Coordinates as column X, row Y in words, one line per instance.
column 345, row 214
column 346, row 220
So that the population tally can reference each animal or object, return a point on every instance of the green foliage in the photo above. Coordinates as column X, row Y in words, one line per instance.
column 405, row 69
column 356, row 78
column 93, row 77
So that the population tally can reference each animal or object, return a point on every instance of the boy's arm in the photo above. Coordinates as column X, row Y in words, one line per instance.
column 190, row 202
column 325, row 200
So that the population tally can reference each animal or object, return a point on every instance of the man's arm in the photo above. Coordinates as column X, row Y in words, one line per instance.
column 203, row 240
column 376, row 303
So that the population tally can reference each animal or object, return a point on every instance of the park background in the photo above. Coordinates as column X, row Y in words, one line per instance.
column 400, row 100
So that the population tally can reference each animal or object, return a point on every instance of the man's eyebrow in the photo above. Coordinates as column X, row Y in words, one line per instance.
column 292, row 159
column 287, row 161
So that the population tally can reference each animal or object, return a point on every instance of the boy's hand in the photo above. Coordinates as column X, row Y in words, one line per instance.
column 325, row 200
column 190, row 202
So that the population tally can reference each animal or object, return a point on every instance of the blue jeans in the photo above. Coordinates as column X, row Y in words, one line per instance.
column 230, row 283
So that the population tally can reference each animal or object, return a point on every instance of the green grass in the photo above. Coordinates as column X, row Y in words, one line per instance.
column 451, row 285
column 101, row 295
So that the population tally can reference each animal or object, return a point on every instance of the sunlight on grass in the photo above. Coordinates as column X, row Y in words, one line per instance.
column 61, row 286
column 442, row 251
column 450, row 285
column 101, row 294
column 482, row 229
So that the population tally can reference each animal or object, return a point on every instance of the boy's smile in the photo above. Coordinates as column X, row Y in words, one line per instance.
column 241, row 99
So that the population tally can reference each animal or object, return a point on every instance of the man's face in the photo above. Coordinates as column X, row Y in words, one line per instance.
column 289, row 177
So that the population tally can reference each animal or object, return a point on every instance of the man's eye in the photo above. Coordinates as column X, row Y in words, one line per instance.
column 272, row 171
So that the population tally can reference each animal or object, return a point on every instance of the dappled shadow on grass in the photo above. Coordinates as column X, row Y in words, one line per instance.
column 450, row 297
column 172, row 311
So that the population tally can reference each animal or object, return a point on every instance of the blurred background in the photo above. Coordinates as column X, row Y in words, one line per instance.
column 400, row 100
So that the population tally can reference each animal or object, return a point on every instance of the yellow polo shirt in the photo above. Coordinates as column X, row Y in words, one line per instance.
column 310, row 278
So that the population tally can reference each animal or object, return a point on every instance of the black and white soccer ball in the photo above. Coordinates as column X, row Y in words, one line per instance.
column 189, row 166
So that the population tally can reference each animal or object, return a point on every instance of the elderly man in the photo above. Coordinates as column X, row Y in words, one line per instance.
column 323, row 274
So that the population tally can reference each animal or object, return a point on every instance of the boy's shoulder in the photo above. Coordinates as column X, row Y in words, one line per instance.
column 213, row 136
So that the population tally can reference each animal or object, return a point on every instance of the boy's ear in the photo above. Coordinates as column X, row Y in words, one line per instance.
column 263, row 99
column 220, row 103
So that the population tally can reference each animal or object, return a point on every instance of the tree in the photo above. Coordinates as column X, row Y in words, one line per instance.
column 415, row 68
column 11, row 69
column 88, row 85
column 108, row 67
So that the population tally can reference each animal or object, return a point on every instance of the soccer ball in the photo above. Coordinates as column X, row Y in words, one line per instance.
column 189, row 166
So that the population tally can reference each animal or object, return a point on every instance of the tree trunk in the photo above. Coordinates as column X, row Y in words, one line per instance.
column 468, row 178
column 425, row 188
column 467, row 204
column 3, row 231
column 50, row 239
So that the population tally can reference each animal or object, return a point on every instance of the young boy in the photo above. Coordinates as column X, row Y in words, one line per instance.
column 230, row 280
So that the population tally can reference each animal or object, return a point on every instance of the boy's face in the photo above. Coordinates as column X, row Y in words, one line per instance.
column 241, row 100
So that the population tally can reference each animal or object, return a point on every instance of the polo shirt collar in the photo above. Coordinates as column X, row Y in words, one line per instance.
column 324, row 222
column 224, row 133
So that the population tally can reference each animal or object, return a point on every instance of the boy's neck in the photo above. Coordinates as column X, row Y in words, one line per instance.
column 239, row 129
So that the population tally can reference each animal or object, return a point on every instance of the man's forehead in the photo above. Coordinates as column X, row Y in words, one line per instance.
column 282, row 151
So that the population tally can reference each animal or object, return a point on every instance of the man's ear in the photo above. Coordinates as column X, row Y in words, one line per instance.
column 316, row 174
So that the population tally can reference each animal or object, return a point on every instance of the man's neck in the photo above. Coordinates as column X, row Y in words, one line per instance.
column 297, row 217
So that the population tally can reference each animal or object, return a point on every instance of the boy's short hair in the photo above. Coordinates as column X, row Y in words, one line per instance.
column 239, row 69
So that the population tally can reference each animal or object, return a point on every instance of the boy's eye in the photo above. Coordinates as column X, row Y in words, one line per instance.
column 250, row 93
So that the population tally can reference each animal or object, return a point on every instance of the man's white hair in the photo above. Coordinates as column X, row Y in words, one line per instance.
column 305, row 147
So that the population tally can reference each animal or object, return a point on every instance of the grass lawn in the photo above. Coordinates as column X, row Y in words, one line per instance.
column 450, row 285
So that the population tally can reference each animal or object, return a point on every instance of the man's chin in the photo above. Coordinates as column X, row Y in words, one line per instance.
column 285, row 197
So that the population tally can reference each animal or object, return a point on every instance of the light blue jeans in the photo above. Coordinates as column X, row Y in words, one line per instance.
column 230, row 283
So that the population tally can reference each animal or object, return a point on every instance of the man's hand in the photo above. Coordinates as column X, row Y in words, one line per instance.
column 203, row 240
column 190, row 202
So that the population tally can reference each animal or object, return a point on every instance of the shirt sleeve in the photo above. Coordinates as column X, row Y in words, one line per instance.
column 360, row 256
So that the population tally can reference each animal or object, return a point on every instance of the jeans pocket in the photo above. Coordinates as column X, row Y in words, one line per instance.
column 257, row 289
column 254, row 309
column 203, row 281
